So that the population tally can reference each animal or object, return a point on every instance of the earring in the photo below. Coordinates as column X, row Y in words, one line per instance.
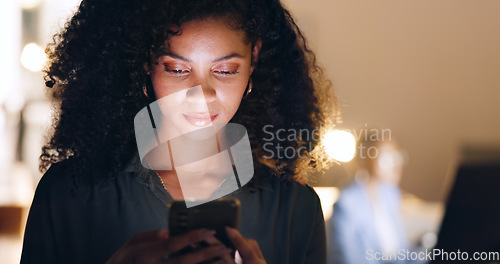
column 145, row 90
column 145, row 85
column 249, row 87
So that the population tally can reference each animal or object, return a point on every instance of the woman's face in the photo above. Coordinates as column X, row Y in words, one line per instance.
column 201, row 74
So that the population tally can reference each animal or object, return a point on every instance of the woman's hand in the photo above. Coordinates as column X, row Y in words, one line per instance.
column 248, row 249
column 151, row 247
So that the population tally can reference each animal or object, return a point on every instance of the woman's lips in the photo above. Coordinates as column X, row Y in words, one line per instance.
column 200, row 119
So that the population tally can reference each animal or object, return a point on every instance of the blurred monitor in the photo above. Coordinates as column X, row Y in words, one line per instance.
column 472, row 219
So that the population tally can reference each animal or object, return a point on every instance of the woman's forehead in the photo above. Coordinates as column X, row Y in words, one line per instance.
column 207, row 36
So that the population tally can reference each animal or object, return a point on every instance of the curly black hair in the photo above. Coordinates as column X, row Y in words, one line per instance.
column 96, row 74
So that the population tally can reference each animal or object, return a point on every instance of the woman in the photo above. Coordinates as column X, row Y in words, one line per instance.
column 246, row 61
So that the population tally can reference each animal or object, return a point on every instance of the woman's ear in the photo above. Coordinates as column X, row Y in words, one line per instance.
column 256, row 50
column 146, row 68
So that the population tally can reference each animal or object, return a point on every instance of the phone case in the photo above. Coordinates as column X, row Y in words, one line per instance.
column 214, row 215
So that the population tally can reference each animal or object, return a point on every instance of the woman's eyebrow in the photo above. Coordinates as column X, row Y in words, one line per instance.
column 179, row 57
column 175, row 56
column 233, row 55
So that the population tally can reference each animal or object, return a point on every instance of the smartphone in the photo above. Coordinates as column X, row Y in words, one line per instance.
column 214, row 215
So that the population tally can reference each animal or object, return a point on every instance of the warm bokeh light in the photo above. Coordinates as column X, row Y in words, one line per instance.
column 33, row 58
column 340, row 145
column 30, row 4
column 328, row 196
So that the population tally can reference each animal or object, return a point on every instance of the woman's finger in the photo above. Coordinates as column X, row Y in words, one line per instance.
column 157, row 249
column 154, row 235
column 176, row 243
column 201, row 255
column 256, row 248
column 241, row 244
column 212, row 240
column 228, row 258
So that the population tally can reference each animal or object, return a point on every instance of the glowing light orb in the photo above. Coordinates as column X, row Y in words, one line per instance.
column 33, row 58
column 30, row 4
column 340, row 145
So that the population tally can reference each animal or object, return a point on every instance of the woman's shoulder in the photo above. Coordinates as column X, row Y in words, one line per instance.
column 287, row 200
column 56, row 177
column 60, row 181
column 302, row 190
column 290, row 191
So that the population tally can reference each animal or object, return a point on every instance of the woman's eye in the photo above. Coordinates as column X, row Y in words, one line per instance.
column 225, row 72
column 176, row 71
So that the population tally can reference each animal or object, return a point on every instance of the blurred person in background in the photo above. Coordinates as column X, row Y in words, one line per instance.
column 366, row 222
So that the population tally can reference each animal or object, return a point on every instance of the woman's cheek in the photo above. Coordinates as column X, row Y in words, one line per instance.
column 231, row 95
column 163, row 89
column 234, row 104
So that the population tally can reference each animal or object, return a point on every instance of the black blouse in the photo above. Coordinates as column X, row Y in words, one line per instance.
column 284, row 217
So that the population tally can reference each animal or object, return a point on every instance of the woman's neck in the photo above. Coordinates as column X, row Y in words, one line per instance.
column 199, row 189
column 197, row 179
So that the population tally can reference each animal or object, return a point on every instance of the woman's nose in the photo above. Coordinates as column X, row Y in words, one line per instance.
column 201, row 93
